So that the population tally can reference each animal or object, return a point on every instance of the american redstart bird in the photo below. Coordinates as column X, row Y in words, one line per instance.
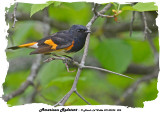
column 61, row 43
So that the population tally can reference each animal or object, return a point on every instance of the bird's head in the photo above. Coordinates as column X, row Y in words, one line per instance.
column 79, row 31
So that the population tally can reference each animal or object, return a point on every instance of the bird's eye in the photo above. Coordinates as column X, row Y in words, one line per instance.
column 78, row 30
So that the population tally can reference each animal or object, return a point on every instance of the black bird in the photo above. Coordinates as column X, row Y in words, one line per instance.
column 60, row 43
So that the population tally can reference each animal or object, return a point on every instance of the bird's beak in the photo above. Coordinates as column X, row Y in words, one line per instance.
column 88, row 31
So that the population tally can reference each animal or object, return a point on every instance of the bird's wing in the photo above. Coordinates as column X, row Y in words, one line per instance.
column 57, row 41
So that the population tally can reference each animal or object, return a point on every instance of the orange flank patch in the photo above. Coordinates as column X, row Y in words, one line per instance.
column 70, row 47
column 27, row 45
column 51, row 43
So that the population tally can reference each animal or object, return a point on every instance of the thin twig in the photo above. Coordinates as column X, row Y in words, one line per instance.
column 82, row 66
column 14, row 15
column 105, row 70
column 146, row 29
column 63, row 59
column 94, row 8
column 131, row 24
column 106, row 16
column 82, row 97
column 147, row 35
column 59, row 103
column 68, row 68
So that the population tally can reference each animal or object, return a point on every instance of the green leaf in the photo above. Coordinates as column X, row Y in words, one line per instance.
column 114, row 54
column 15, row 101
column 142, row 52
column 56, row 3
column 37, row 7
column 75, row 5
column 156, row 43
column 149, row 6
column 70, row 11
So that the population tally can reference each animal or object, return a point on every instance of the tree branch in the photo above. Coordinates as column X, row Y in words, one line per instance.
column 66, row 60
column 33, row 94
column 134, row 86
column 147, row 35
column 34, row 70
column 35, row 66
column 146, row 78
column 109, row 29
column 131, row 24
column 73, row 89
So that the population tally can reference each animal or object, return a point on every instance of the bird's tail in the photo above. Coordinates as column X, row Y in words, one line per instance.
column 28, row 45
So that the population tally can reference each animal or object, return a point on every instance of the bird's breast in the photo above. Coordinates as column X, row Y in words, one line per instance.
column 78, row 44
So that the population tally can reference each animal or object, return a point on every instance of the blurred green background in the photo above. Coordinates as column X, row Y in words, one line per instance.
column 111, row 47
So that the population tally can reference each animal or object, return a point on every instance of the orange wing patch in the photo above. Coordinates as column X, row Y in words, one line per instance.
column 70, row 47
column 27, row 45
column 51, row 43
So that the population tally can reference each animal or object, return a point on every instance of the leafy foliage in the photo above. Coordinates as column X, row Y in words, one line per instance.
column 110, row 49
column 71, row 9
column 116, row 55
column 142, row 52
